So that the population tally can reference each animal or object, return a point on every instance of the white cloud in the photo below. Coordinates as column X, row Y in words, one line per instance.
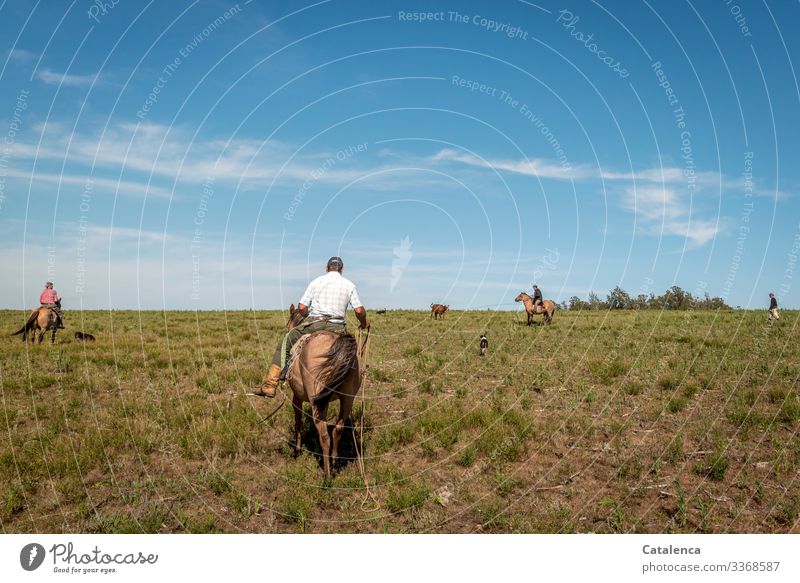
column 532, row 167
column 171, row 154
column 21, row 55
column 128, row 234
column 664, row 211
column 124, row 187
column 665, row 175
column 654, row 195
column 698, row 231
column 654, row 202
column 52, row 78
column 542, row 168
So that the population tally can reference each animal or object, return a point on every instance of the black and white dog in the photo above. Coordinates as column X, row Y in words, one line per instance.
column 484, row 344
column 84, row 336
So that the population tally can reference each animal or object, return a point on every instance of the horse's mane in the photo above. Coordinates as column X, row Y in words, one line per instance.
column 295, row 319
column 339, row 360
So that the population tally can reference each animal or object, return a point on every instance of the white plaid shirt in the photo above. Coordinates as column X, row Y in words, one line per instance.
column 329, row 295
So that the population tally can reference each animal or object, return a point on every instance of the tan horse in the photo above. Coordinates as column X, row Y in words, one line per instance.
column 324, row 367
column 546, row 309
column 41, row 320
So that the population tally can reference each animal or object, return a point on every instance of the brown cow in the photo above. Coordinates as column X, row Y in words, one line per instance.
column 438, row 311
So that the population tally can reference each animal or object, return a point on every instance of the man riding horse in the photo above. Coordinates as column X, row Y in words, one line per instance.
column 49, row 299
column 328, row 297
column 537, row 295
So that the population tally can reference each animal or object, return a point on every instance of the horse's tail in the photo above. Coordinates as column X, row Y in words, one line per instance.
column 29, row 324
column 338, row 361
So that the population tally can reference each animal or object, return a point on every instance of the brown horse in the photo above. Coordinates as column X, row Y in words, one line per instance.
column 41, row 320
column 546, row 309
column 438, row 311
column 324, row 366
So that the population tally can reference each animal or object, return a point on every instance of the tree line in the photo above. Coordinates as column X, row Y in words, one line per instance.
column 675, row 298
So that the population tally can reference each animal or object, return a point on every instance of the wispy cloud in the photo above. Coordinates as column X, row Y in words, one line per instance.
column 531, row 167
column 21, row 55
column 552, row 169
column 655, row 195
column 664, row 175
column 128, row 234
column 170, row 153
column 661, row 210
column 53, row 78
column 124, row 187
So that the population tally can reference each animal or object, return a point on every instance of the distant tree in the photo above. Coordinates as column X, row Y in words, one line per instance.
column 640, row 302
column 676, row 299
column 594, row 301
column 575, row 303
column 618, row 299
column 715, row 303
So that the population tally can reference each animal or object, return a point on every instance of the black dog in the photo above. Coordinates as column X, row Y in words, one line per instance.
column 484, row 344
column 380, row 311
column 84, row 336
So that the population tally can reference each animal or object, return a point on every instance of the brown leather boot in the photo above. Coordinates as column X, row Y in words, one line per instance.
column 271, row 385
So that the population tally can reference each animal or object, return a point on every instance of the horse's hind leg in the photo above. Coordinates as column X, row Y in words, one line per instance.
column 324, row 439
column 345, row 406
column 298, row 424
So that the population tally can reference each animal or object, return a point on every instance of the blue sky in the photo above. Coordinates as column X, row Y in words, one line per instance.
column 215, row 154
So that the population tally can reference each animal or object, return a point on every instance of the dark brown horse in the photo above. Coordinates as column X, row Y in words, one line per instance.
column 324, row 367
column 546, row 308
column 41, row 320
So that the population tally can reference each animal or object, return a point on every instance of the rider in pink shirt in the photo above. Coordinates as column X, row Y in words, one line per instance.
column 49, row 299
column 49, row 296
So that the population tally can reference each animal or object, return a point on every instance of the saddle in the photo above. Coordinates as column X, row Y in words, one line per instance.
column 294, row 354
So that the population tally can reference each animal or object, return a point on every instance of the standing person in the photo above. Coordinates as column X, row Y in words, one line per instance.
column 49, row 299
column 328, row 297
column 773, row 308
column 537, row 295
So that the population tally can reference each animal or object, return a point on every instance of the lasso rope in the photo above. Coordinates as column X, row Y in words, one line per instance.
column 276, row 409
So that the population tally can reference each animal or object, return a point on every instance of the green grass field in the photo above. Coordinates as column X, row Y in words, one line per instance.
column 603, row 422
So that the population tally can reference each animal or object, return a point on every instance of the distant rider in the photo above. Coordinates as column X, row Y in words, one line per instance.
column 328, row 297
column 49, row 299
column 773, row 308
column 537, row 295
